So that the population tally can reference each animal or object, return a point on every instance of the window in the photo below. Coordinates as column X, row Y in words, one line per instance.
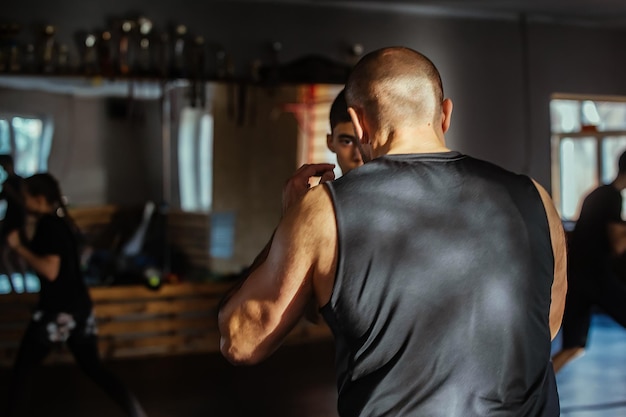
column 28, row 140
column 195, row 162
column 5, row 136
column 312, row 113
column 588, row 135
column 194, row 166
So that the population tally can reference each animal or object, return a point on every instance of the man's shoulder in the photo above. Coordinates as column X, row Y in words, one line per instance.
column 318, row 199
column 491, row 165
column 312, row 209
column 603, row 192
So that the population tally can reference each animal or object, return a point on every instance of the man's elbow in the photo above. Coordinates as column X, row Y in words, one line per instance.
column 555, row 326
column 50, row 274
column 237, row 355
column 233, row 346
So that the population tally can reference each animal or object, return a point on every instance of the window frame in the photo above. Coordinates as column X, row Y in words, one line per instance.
column 582, row 134
column 47, row 130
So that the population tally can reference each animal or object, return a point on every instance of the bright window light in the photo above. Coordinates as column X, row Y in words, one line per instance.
column 195, row 159
column 585, row 159
column 590, row 112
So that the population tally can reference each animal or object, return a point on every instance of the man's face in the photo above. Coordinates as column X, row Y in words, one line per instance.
column 341, row 142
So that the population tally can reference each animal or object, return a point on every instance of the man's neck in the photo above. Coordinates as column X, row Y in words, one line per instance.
column 409, row 142
column 619, row 182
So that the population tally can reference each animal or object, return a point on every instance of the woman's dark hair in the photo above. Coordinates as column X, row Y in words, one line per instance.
column 47, row 186
column 6, row 161
column 339, row 111
column 44, row 185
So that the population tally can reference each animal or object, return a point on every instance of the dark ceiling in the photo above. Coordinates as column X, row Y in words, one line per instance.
column 609, row 13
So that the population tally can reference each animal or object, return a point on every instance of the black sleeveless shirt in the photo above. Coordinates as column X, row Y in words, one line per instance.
column 68, row 293
column 442, row 295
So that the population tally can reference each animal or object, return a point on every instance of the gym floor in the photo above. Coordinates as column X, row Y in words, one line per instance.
column 295, row 381
column 594, row 385
column 298, row 381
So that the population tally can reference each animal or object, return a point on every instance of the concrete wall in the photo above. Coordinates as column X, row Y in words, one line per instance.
column 104, row 150
column 109, row 150
column 500, row 73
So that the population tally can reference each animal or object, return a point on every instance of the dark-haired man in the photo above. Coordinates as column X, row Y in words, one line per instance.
column 341, row 140
column 598, row 239
column 442, row 277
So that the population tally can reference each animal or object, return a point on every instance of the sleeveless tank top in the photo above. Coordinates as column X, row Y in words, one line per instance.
column 441, row 300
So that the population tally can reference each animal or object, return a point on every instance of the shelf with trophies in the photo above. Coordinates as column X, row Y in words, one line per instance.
column 129, row 48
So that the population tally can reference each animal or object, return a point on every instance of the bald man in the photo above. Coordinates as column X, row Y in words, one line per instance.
column 441, row 276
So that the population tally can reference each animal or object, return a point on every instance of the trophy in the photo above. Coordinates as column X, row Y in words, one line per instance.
column 47, row 48
column 125, row 48
column 87, row 45
column 198, row 58
column 10, row 56
column 29, row 59
column 63, row 59
column 179, row 60
column 14, row 58
column 163, row 55
column 105, row 54
column 144, row 57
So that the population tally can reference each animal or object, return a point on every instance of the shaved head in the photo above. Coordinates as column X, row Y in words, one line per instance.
column 396, row 87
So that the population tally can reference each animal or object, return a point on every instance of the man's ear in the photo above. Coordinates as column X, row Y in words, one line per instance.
column 329, row 143
column 446, row 109
column 356, row 122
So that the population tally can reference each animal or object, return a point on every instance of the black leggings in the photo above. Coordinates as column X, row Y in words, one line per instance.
column 589, row 288
column 33, row 350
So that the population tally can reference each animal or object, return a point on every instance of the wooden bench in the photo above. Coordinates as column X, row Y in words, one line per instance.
column 135, row 321
column 186, row 234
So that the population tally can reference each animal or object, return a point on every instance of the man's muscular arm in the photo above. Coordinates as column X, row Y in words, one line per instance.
column 293, row 191
column 256, row 316
column 559, row 284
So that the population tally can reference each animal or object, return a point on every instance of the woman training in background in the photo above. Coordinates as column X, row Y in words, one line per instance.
column 63, row 314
